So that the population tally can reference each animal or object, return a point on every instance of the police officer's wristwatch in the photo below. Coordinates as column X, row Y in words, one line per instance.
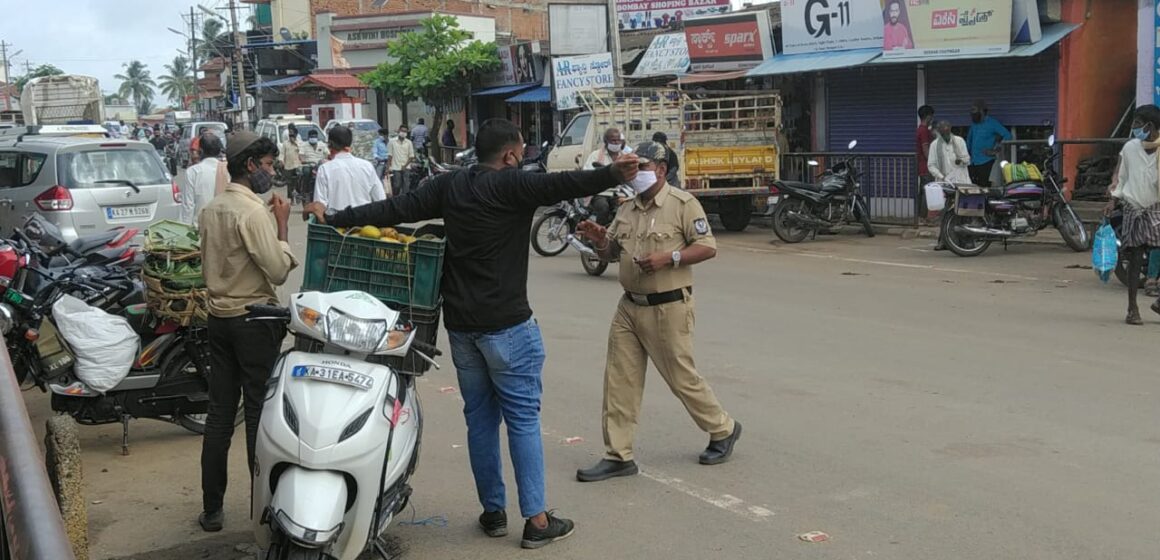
column 676, row 259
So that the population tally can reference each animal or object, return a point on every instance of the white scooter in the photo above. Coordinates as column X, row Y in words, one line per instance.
column 339, row 436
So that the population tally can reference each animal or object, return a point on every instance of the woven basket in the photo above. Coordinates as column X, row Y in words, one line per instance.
column 185, row 307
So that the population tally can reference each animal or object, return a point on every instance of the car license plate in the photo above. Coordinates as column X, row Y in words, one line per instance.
column 123, row 212
column 333, row 375
column 772, row 201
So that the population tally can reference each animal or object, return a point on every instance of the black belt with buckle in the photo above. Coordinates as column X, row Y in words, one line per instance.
column 658, row 299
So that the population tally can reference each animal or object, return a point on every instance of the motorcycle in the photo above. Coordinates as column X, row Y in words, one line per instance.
column 167, row 380
column 977, row 216
column 602, row 210
column 339, row 436
column 303, row 183
column 551, row 230
column 831, row 203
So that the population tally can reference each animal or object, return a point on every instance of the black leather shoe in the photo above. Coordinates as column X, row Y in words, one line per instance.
column 211, row 522
column 607, row 469
column 494, row 523
column 719, row 451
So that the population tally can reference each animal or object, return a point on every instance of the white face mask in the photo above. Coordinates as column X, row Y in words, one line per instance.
column 614, row 148
column 644, row 181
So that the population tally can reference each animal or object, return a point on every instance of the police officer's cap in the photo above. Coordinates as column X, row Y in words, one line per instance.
column 652, row 152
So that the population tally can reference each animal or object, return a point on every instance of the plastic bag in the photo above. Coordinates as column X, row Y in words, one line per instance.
column 1105, row 251
column 105, row 345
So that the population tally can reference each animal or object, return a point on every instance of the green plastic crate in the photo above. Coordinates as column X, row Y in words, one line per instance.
column 393, row 273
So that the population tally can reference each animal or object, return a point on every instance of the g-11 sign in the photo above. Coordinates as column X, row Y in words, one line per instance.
column 574, row 74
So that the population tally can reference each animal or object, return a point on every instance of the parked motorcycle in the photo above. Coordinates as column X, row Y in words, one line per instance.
column 602, row 210
column 551, row 230
column 339, row 436
column 981, row 216
column 826, row 205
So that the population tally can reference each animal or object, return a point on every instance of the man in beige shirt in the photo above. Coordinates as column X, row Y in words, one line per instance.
column 657, row 238
column 400, row 154
column 244, row 256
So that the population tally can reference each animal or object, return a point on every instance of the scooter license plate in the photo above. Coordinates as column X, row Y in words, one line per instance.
column 333, row 375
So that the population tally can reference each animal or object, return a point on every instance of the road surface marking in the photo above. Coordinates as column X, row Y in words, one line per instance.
column 729, row 503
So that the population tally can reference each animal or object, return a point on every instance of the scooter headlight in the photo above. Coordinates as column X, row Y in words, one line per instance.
column 354, row 334
column 304, row 535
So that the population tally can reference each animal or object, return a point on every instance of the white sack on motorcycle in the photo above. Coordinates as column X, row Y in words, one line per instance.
column 105, row 345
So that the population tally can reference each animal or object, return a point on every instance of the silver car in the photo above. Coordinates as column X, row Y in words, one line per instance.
column 83, row 185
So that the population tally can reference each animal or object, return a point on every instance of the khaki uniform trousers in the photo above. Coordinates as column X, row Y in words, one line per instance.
column 664, row 334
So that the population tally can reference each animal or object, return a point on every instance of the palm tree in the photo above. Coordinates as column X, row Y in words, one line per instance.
column 177, row 83
column 211, row 32
column 136, row 83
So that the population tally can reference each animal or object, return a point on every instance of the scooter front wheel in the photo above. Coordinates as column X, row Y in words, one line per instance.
column 593, row 265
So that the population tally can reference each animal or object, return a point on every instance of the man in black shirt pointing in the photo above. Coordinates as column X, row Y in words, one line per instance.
column 495, row 343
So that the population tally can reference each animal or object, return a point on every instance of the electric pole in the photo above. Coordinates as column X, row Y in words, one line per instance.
column 240, row 63
column 4, row 57
column 193, row 55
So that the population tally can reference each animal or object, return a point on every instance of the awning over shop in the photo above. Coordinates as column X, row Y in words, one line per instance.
column 280, row 82
column 537, row 95
column 811, row 62
column 1053, row 33
column 702, row 77
column 502, row 90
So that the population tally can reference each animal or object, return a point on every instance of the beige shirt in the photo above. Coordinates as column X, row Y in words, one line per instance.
column 291, row 155
column 671, row 221
column 400, row 153
column 242, row 258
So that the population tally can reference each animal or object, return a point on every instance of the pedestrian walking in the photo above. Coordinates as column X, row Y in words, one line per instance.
column 657, row 238
column 1137, row 190
column 244, row 256
column 983, row 141
column 290, row 156
column 496, row 345
column 923, row 138
column 200, row 184
column 400, row 154
column 949, row 160
column 673, row 174
column 419, row 136
column 345, row 180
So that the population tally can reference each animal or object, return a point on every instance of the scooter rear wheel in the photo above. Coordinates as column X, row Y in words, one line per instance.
column 593, row 265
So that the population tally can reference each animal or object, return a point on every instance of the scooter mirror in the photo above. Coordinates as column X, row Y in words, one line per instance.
column 544, row 145
column 852, row 144
column 812, row 163
column 1051, row 141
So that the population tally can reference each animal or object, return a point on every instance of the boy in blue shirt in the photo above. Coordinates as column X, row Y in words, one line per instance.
column 982, row 142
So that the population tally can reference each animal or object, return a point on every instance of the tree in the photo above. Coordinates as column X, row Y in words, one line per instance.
column 177, row 82
column 436, row 64
column 212, row 32
column 115, row 99
column 138, row 84
column 38, row 72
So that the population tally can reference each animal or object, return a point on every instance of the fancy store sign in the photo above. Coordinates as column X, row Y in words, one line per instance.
column 732, row 42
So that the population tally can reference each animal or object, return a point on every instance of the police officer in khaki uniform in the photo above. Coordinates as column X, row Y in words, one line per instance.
column 657, row 238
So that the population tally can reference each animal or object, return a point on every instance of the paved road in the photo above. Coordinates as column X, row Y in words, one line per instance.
column 911, row 404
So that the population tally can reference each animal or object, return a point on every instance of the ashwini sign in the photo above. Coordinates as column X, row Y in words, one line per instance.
column 732, row 42
column 574, row 74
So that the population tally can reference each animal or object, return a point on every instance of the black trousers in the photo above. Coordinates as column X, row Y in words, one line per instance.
column 981, row 174
column 241, row 357
column 398, row 183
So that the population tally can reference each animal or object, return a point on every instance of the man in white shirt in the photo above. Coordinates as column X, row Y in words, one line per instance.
column 948, row 159
column 400, row 153
column 201, row 180
column 314, row 152
column 346, row 181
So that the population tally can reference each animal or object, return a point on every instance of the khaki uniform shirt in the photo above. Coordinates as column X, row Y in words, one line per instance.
column 671, row 221
column 291, row 155
column 242, row 258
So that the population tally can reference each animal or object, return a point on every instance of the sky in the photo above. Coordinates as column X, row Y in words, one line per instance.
column 96, row 37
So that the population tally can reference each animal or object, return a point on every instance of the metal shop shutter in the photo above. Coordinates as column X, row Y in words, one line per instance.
column 1019, row 91
column 876, row 105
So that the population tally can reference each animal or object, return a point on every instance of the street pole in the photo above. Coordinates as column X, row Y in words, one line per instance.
column 193, row 55
column 241, row 81
column 4, row 56
column 614, row 40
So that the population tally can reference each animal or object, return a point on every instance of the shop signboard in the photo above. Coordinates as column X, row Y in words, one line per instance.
column 830, row 25
column 921, row 28
column 578, row 28
column 667, row 55
column 729, row 42
column 634, row 15
column 574, row 74
column 517, row 66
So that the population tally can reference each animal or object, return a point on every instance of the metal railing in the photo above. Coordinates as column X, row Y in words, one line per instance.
column 889, row 180
column 32, row 524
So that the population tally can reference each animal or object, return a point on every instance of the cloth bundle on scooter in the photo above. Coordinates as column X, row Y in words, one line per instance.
column 172, row 272
column 104, row 345
column 1016, row 172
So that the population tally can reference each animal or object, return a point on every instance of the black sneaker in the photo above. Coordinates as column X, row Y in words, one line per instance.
column 494, row 523
column 211, row 522
column 558, row 529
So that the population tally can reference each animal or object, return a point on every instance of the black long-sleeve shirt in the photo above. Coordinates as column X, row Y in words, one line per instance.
column 488, row 217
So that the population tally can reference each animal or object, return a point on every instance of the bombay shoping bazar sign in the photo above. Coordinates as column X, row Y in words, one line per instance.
column 729, row 42
column 921, row 28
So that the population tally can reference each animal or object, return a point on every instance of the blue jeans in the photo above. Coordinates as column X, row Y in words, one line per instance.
column 499, row 377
